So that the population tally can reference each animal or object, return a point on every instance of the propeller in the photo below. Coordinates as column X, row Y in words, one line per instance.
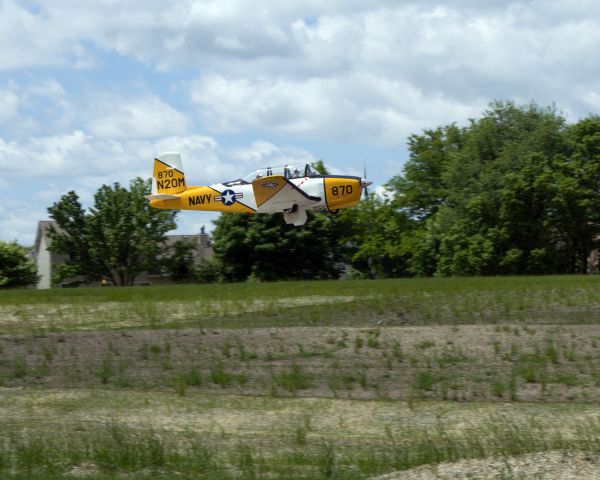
column 364, row 182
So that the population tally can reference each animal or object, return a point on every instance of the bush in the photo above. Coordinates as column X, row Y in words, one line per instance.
column 16, row 269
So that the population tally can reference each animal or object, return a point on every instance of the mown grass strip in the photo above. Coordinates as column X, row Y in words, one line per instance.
column 555, row 299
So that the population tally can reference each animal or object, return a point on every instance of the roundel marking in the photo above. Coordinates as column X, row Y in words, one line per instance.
column 228, row 197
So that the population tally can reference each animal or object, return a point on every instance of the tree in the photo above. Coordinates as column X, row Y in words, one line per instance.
column 421, row 192
column 265, row 247
column 120, row 237
column 373, row 237
column 500, row 186
column 208, row 270
column 423, row 187
column 575, row 206
column 180, row 265
column 16, row 268
column 516, row 191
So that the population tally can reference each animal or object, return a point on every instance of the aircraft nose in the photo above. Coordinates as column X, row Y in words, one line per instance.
column 366, row 183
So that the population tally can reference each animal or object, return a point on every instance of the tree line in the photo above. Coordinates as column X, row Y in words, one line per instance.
column 516, row 191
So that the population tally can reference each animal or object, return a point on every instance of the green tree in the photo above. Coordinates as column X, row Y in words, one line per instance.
column 575, row 206
column 500, row 185
column 422, row 188
column 373, row 235
column 208, row 270
column 16, row 268
column 319, row 166
column 120, row 237
column 180, row 264
column 265, row 247
column 420, row 192
column 516, row 191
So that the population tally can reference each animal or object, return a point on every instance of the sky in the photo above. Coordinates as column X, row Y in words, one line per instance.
column 92, row 90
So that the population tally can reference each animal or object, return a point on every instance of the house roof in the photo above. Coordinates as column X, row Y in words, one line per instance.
column 41, row 232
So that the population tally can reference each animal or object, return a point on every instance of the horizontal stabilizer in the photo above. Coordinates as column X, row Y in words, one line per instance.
column 162, row 196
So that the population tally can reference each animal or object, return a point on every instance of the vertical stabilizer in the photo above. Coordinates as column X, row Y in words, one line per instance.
column 168, row 177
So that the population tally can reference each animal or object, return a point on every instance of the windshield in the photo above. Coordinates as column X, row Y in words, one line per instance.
column 288, row 171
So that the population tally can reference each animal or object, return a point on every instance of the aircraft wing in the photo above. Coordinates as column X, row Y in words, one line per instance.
column 276, row 193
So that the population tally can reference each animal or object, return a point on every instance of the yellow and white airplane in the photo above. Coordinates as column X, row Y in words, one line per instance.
column 289, row 189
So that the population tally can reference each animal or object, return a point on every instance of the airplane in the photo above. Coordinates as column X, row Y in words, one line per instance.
column 289, row 189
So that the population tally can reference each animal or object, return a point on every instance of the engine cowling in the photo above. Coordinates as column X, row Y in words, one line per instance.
column 342, row 192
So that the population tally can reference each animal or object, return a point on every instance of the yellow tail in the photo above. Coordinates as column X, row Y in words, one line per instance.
column 168, row 177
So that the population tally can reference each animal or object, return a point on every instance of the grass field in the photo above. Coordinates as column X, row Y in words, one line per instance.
column 299, row 380
column 559, row 300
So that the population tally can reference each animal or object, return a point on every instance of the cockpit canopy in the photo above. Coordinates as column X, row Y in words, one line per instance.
column 287, row 171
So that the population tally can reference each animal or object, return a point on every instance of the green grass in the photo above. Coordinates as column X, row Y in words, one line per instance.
column 72, row 434
column 147, row 404
column 293, row 379
column 555, row 299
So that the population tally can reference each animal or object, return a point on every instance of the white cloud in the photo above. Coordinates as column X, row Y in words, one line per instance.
column 378, row 75
column 201, row 156
column 460, row 53
column 263, row 154
column 591, row 97
column 235, row 104
column 138, row 117
column 360, row 107
column 9, row 101
column 78, row 155
column 34, row 104
column 84, row 157
column 59, row 155
column 347, row 71
column 44, row 105
column 194, row 33
column 44, row 168
column 48, row 88
column 35, row 37
column 19, row 219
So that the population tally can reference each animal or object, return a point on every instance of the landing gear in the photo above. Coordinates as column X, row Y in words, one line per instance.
column 295, row 216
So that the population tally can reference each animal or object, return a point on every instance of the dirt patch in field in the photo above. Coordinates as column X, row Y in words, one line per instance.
column 555, row 465
column 536, row 362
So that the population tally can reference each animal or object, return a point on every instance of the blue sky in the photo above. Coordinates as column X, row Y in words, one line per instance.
column 90, row 91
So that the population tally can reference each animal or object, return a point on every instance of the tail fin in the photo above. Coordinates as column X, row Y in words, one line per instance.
column 168, row 177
